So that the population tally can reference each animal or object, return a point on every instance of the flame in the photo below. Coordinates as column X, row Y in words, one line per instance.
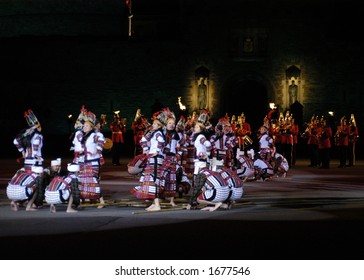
column 181, row 106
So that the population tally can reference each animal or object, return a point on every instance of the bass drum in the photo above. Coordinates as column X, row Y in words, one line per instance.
column 108, row 145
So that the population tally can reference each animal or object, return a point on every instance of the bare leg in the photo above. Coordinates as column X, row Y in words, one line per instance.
column 204, row 202
column 30, row 203
column 172, row 202
column 155, row 206
column 225, row 206
column 102, row 203
column 14, row 206
column 52, row 208
column 150, row 206
column 69, row 206
column 217, row 205
column 206, row 208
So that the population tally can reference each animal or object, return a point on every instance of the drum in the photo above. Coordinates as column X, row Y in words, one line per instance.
column 137, row 164
column 108, row 145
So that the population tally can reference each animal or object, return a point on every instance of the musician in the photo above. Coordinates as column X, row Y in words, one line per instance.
column 287, row 138
column 342, row 141
column 311, row 134
column 118, row 130
column 243, row 130
column 324, row 146
column 139, row 126
column 295, row 133
column 353, row 137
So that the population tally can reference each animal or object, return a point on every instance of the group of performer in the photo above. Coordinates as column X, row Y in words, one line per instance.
column 209, row 163
column 173, row 158
column 32, row 184
column 321, row 138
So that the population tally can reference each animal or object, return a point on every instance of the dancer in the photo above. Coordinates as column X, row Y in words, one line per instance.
column 64, row 188
column 153, row 143
column 29, row 142
column 88, row 146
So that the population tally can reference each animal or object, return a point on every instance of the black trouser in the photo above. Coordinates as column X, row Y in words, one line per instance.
column 314, row 154
column 343, row 151
column 116, row 150
column 325, row 157
column 351, row 154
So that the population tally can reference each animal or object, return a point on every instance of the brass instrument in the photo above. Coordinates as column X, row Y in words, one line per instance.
column 247, row 140
column 137, row 115
column 307, row 132
column 103, row 121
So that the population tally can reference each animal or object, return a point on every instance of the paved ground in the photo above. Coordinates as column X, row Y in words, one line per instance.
column 310, row 214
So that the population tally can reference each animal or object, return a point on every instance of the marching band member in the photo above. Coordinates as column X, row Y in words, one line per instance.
column 242, row 131
column 286, row 138
column 118, row 129
column 342, row 141
column 311, row 134
column 353, row 137
column 295, row 129
column 139, row 126
column 324, row 146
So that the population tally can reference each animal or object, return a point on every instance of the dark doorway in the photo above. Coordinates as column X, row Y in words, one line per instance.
column 250, row 97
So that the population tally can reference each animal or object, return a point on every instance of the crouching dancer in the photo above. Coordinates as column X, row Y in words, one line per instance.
column 64, row 188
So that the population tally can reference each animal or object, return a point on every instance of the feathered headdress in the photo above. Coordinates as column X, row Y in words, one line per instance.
column 203, row 118
column 31, row 118
column 85, row 116
column 223, row 121
column 163, row 115
column 81, row 118
column 170, row 115
column 91, row 118
column 181, row 122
